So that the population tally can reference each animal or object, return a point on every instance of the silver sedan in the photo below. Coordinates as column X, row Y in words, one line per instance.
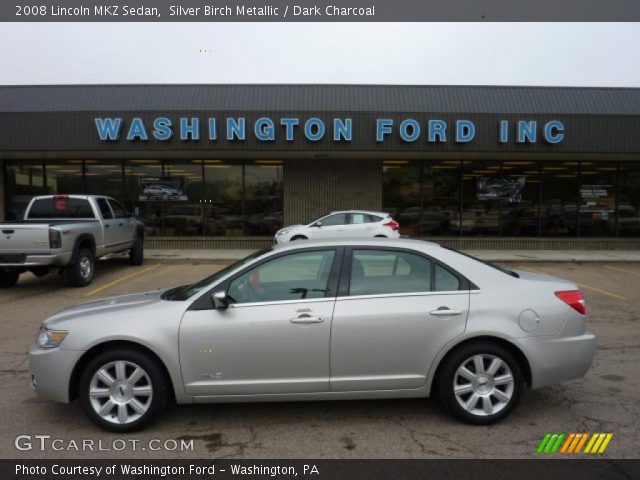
column 377, row 318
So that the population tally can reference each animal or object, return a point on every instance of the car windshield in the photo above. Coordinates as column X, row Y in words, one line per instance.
column 186, row 291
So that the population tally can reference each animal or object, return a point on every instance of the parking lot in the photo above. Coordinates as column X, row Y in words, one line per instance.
column 606, row 400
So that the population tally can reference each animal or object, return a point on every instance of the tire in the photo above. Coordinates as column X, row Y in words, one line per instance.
column 298, row 237
column 136, row 254
column 8, row 279
column 501, row 398
column 80, row 273
column 118, row 401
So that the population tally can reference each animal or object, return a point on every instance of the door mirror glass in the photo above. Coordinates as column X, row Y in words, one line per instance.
column 317, row 224
column 220, row 300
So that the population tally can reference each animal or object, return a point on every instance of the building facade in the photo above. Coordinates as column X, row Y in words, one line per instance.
column 227, row 164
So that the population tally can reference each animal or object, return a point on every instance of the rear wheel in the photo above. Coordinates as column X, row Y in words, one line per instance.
column 136, row 254
column 480, row 383
column 123, row 390
column 8, row 279
column 80, row 273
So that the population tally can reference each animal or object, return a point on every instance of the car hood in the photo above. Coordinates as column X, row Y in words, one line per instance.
column 292, row 227
column 110, row 305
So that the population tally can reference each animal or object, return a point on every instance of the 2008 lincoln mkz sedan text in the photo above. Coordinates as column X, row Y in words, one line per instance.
column 378, row 318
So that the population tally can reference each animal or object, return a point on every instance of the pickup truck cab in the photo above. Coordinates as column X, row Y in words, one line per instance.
column 68, row 233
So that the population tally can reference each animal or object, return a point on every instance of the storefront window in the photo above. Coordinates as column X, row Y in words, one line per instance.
column 401, row 193
column 560, row 198
column 485, row 189
column 104, row 177
column 23, row 179
column 185, row 213
column 263, row 196
column 143, row 193
column 520, row 210
column 629, row 199
column 597, row 199
column 223, row 191
column 64, row 177
column 440, row 198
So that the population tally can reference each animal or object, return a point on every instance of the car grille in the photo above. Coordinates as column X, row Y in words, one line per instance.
column 17, row 258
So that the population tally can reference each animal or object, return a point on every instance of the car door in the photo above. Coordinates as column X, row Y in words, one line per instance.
column 395, row 310
column 331, row 226
column 274, row 335
column 125, row 225
column 110, row 224
column 360, row 225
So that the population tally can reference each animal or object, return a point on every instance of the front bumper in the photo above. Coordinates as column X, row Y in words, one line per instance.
column 51, row 371
column 558, row 359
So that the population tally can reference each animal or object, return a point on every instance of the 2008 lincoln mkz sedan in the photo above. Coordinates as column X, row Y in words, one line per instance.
column 341, row 319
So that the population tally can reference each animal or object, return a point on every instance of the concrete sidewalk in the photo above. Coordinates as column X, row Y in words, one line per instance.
column 225, row 256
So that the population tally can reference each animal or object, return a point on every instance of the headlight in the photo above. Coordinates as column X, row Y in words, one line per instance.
column 282, row 232
column 50, row 338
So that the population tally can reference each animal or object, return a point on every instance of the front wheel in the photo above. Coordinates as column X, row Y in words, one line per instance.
column 480, row 383
column 8, row 279
column 122, row 390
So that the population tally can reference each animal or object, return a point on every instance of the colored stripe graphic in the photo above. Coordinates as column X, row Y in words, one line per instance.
column 573, row 443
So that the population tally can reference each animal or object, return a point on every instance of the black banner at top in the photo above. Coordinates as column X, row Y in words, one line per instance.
column 319, row 11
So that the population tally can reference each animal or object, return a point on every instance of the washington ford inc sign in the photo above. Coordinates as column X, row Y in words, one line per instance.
column 266, row 129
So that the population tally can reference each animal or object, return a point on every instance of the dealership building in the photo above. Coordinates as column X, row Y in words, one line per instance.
column 227, row 165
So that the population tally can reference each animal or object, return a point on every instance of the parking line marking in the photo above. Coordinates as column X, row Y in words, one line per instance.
column 581, row 285
column 618, row 269
column 121, row 279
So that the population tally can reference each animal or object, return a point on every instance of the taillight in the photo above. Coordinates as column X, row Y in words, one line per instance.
column 55, row 241
column 392, row 224
column 574, row 299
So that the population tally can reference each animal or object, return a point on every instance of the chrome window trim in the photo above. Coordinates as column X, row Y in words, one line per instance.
column 404, row 294
column 283, row 302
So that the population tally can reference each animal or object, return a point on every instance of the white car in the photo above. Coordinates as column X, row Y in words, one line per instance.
column 161, row 192
column 342, row 224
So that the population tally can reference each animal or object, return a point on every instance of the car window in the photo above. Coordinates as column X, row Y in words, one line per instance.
column 332, row 220
column 375, row 218
column 291, row 277
column 357, row 218
column 376, row 272
column 60, row 206
column 105, row 211
column 445, row 281
column 118, row 210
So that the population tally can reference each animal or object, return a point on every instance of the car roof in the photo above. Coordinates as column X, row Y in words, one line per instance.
column 410, row 243
column 369, row 212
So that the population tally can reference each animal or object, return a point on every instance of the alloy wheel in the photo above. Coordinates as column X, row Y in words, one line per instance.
column 483, row 384
column 120, row 392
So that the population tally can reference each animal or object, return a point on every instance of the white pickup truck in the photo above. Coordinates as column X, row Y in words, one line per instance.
column 68, row 233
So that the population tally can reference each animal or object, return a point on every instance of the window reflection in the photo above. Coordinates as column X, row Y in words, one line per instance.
column 597, row 199
column 401, row 193
column 64, row 177
column 560, row 198
column 484, row 189
column 23, row 179
column 138, row 175
column 223, row 193
column 520, row 216
column 104, row 177
column 185, row 212
column 629, row 199
column 440, row 198
column 263, row 196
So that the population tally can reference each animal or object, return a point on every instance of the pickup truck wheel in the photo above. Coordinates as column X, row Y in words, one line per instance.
column 80, row 273
column 8, row 279
column 136, row 254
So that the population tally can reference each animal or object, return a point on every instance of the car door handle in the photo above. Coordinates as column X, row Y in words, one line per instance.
column 307, row 319
column 444, row 311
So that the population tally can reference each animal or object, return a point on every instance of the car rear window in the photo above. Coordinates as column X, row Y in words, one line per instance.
column 60, row 207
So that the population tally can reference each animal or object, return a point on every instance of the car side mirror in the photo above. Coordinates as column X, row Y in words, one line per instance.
column 220, row 300
column 317, row 224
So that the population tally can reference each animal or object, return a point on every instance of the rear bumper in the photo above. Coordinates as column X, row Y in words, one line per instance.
column 558, row 359
column 55, row 260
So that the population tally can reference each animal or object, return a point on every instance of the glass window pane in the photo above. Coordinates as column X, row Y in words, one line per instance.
column 484, row 190
column 61, row 207
column 376, row 272
column 333, row 220
column 185, row 213
column 445, row 280
column 64, row 177
column 440, row 198
column 559, row 198
column 629, row 199
column 118, row 210
column 223, row 195
column 401, row 193
column 597, row 199
column 263, row 190
column 150, row 210
column 357, row 218
column 105, row 211
column 104, row 177
column 24, row 180
column 292, row 277
column 520, row 213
